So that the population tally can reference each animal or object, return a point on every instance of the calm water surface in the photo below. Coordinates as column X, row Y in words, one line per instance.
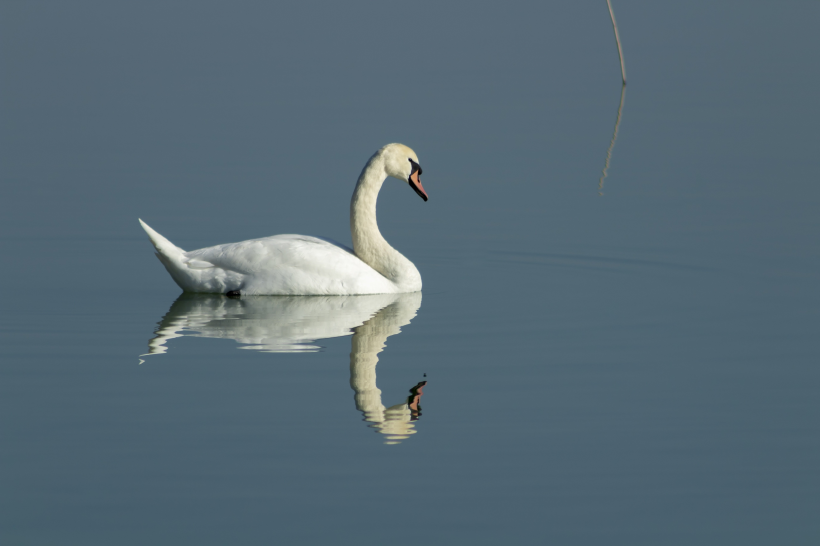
column 631, row 360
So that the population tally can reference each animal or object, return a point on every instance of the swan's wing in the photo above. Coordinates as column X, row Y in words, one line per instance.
column 292, row 264
column 253, row 255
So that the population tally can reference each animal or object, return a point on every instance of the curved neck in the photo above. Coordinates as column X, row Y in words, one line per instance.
column 368, row 243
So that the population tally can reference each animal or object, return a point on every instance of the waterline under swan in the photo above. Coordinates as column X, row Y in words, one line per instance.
column 304, row 265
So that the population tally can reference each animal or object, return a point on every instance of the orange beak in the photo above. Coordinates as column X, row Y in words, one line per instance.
column 415, row 183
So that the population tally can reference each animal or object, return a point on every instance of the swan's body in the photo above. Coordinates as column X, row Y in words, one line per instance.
column 304, row 265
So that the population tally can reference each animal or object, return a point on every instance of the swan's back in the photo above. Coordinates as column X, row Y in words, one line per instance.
column 279, row 265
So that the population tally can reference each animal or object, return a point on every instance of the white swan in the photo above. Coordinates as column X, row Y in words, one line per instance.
column 304, row 265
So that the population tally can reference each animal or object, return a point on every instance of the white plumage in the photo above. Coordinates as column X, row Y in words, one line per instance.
column 304, row 265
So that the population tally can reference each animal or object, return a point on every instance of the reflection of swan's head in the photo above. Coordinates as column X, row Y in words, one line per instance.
column 401, row 162
column 396, row 422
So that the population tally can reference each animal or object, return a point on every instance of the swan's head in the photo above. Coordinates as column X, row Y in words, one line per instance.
column 401, row 162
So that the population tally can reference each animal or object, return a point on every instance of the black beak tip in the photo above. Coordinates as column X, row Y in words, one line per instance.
column 419, row 192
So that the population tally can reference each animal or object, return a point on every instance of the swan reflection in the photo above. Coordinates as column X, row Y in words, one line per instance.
column 287, row 324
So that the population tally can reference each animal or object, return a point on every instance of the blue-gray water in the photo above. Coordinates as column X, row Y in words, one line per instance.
column 631, row 365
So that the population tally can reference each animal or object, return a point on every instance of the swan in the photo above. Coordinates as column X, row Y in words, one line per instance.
column 303, row 265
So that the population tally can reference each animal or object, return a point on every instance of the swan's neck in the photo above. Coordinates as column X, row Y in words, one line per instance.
column 368, row 243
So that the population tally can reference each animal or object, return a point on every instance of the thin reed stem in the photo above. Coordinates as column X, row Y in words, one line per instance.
column 617, row 40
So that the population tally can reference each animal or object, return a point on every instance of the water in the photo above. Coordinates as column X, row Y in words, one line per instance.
column 632, row 362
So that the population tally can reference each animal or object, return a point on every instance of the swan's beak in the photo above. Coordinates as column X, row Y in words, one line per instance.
column 415, row 183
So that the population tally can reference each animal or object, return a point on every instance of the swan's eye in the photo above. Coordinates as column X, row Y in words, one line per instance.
column 416, row 167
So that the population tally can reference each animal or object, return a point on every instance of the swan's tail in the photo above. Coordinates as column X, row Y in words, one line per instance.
column 174, row 260
column 190, row 275
column 165, row 248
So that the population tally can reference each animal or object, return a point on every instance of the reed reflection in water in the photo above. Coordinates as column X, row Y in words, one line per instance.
column 612, row 140
column 289, row 324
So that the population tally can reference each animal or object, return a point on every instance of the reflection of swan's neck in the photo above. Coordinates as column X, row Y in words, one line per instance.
column 368, row 243
column 368, row 341
column 363, row 359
